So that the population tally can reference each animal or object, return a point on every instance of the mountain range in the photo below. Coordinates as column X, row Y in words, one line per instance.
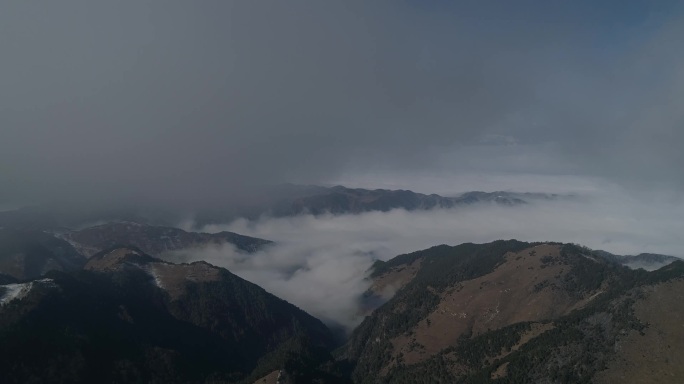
column 102, row 303
column 128, row 317
column 28, row 254
column 506, row 312
column 154, row 240
column 292, row 200
column 275, row 201
column 647, row 261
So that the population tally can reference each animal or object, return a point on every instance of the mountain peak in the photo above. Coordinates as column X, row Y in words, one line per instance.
column 114, row 258
column 154, row 240
column 171, row 278
column 166, row 322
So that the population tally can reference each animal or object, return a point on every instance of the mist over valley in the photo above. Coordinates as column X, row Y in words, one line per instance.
column 341, row 192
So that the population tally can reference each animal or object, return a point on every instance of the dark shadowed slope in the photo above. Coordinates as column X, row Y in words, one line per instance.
column 27, row 254
column 154, row 240
column 131, row 318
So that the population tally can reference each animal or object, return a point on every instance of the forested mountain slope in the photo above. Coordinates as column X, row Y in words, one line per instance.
column 154, row 240
column 514, row 312
column 131, row 318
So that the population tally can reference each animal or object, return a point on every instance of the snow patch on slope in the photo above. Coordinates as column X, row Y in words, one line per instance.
column 20, row 290
column 151, row 270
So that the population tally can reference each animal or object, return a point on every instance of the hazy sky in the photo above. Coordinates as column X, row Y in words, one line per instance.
column 198, row 100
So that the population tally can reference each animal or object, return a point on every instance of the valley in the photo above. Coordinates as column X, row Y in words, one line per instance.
column 341, row 192
column 504, row 311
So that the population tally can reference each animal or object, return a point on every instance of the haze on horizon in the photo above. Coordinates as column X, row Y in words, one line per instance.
column 186, row 102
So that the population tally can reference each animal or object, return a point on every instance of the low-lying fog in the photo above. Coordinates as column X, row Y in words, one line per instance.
column 320, row 263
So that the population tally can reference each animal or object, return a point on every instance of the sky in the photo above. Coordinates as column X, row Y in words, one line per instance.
column 204, row 101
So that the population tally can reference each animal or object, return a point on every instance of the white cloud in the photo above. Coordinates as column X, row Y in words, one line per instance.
column 319, row 263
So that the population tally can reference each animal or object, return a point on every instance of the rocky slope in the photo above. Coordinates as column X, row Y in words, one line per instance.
column 515, row 312
column 128, row 317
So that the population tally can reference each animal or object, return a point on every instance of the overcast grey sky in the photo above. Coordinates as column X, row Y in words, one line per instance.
column 198, row 100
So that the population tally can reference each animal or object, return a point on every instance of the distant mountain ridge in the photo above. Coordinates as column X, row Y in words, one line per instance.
column 28, row 254
column 154, row 240
column 647, row 261
column 276, row 201
column 292, row 200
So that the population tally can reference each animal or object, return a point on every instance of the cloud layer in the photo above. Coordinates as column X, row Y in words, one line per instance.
column 320, row 263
